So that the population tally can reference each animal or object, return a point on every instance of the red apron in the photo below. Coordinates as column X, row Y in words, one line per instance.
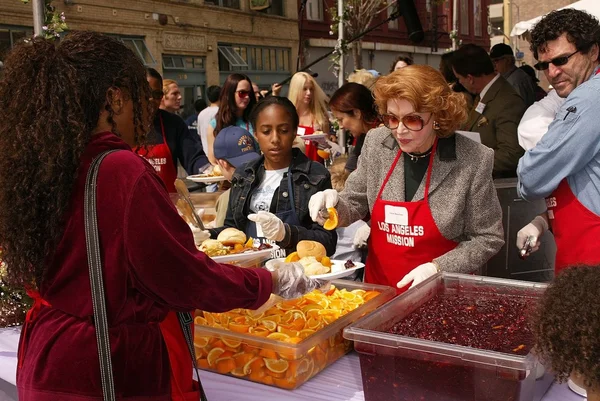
column 160, row 157
column 576, row 229
column 403, row 235
column 311, row 147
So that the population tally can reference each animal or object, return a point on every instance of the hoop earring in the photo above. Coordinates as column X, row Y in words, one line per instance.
column 436, row 126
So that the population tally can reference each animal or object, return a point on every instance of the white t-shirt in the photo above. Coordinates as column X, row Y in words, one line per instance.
column 263, row 194
column 203, row 123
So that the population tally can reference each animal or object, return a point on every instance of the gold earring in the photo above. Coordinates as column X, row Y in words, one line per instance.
column 436, row 125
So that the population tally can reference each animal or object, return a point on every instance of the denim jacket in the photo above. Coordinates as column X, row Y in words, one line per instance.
column 308, row 178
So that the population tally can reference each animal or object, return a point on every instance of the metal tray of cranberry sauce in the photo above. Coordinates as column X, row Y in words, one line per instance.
column 373, row 328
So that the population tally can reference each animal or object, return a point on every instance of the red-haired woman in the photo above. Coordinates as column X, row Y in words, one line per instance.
column 235, row 105
column 429, row 192
column 354, row 108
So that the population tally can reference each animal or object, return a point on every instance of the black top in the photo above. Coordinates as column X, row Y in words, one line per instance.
column 414, row 171
column 352, row 161
column 184, row 146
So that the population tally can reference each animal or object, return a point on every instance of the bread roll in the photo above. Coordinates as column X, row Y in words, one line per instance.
column 232, row 236
column 311, row 248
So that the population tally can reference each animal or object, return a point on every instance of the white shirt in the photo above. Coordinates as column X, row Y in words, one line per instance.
column 537, row 118
column 203, row 123
column 487, row 87
column 263, row 195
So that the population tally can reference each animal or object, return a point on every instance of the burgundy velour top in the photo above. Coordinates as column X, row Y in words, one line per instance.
column 151, row 266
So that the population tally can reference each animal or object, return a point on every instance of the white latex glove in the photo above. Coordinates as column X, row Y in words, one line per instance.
column 199, row 235
column 534, row 229
column 418, row 275
column 271, row 225
column 289, row 280
column 322, row 200
column 361, row 237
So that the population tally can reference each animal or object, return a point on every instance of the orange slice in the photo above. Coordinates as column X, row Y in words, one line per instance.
column 231, row 343
column 200, row 342
column 259, row 331
column 292, row 257
column 323, row 154
column 294, row 340
column 253, row 364
column 326, row 261
column 225, row 365
column 278, row 336
column 249, row 243
column 239, row 328
column 238, row 372
column 203, row 363
column 332, row 222
column 269, row 324
column 268, row 353
column 200, row 320
column 213, row 355
column 277, row 365
column 306, row 333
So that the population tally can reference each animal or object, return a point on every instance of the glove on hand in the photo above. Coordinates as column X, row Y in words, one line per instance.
column 418, row 275
column 199, row 235
column 271, row 225
column 534, row 229
column 361, row 237
column 322, row 200
column 289, row 280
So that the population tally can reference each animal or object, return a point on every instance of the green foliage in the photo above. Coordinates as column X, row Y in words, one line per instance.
column 54, row 23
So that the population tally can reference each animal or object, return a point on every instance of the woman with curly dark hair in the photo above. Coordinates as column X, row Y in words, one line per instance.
column 567, row 327
column 235, row 105
column 62, row 106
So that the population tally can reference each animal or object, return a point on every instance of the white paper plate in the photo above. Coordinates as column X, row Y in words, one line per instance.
column 205, row 179
column 313, row 137
column 337, row 270
column 246, row 256
column 576, row 389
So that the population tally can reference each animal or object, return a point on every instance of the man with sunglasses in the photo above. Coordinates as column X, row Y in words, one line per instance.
column 564, row 166
column 497, row 109
column 170, row 140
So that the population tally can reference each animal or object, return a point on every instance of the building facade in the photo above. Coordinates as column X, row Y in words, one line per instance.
column 383, row 45
column 196, row 42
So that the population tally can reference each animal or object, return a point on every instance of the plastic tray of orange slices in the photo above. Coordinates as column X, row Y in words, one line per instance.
column 290, row 342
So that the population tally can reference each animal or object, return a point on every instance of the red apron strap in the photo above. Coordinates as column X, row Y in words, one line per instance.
column 38, row 302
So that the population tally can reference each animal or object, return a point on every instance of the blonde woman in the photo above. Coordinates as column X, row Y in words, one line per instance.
column 311, row 103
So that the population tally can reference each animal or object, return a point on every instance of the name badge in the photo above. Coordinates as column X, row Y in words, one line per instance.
column 301, row 131
column 396, row 215
column 480, row 108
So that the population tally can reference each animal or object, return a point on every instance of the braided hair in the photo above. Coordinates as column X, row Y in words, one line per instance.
column 51, row 98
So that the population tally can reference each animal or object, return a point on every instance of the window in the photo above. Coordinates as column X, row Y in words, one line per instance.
column 224, row 3
column 138, row 46
column 314, row 10
column 477, row 17
column 11, row 36
column 253, row 58
column 464, row 17
column 174, row 62
column 276, row 8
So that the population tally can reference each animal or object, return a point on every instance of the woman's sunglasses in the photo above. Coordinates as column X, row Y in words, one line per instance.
column 243, row 94
column 558, row 61
column 411, row 121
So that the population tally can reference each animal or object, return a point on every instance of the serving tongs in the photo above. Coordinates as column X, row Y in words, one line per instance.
column 187, row 207
column 526, row 250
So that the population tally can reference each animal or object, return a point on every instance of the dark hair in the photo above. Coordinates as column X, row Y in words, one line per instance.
column 567, row 324
column 226, row 115
column 276, row 101
column 473, row 60
column 582, row 30
column 407, row 59
column 531, row 72
column 152, row 73
column 52, row 96
column 199, row 105
column 353, row 96
column 213, row 93
column 446, row 67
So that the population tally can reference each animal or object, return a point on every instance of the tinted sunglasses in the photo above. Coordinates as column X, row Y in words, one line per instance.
column 412, row 122
column 243, row 94
column 157, row 94
column 558, row 61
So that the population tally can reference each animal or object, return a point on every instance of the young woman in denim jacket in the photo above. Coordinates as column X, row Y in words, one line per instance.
column 261, row 203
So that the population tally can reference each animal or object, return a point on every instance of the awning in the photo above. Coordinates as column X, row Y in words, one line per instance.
column 590, row 6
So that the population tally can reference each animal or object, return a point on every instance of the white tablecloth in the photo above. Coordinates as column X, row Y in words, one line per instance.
column 339, row 382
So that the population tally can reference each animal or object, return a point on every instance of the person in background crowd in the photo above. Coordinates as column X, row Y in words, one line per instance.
column 408, row 174
column 363, row 77
column 269, row 195
column 171, row 100
column 354, row 108
column 170, row 140
column 567, row 326
column 445, row 68
column 233, row 148
column 95, row 98
column 235, row 105
column 212, row 95
column 192, row 120
column 540, row 93
column 504, row 63
column 401, row 62
column 564, row 166
column 257, row 92
column 498, row 108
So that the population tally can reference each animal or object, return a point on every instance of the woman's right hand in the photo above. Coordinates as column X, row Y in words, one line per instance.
column 290, row 282
column 276, row 89
column 322, row 200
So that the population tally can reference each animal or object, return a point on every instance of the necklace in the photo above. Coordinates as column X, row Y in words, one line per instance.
column 415, row 158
